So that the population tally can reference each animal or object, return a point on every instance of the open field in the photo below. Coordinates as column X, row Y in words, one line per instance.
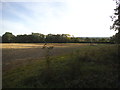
column 72, row 65
column 14, row 53
column 36, row 45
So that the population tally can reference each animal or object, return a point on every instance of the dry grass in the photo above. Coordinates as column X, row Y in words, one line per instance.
column 19, row 46
column 31, row 45
column 14, row 54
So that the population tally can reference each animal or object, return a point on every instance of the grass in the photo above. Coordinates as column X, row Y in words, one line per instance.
column 36, row 45
column 86, row 67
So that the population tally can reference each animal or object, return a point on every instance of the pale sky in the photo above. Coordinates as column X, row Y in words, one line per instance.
column 81, row 18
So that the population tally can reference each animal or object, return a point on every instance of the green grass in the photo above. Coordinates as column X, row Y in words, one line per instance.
column 88, row 66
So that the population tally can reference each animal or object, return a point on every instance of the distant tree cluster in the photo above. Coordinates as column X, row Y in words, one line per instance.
column 8, row 37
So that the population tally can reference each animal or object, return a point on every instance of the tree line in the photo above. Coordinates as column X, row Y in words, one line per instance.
column 8, row 37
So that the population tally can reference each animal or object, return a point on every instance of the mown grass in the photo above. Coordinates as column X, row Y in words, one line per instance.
column 86, row 67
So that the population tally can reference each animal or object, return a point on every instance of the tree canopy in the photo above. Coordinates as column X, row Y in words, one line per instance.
column 116, row 22
column 8, row 37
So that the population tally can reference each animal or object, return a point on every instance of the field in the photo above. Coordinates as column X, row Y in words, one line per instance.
column 17, row 53
column 66, row 65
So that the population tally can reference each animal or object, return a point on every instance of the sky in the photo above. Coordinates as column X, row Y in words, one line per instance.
column 81, row 18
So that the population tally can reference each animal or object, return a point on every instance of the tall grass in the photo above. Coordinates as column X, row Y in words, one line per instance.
column 89, row 66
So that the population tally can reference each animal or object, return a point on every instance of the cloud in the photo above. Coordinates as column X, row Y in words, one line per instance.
column 76, row 17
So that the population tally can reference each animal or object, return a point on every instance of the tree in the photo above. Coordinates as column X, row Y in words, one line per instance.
column 59, row 38
column 116, row 26
column 0, row 39
column 87, row 39
column 37, row 37
column 8, row 38
column 116, row 22
column 23, row 38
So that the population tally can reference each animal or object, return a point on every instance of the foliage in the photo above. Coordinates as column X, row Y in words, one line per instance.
column 116, row 22
column 48, row 58
column 50, row 38
column 115, row 38
column 8, row 37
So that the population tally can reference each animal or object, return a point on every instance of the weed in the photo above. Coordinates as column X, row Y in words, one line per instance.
column 48, row 60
